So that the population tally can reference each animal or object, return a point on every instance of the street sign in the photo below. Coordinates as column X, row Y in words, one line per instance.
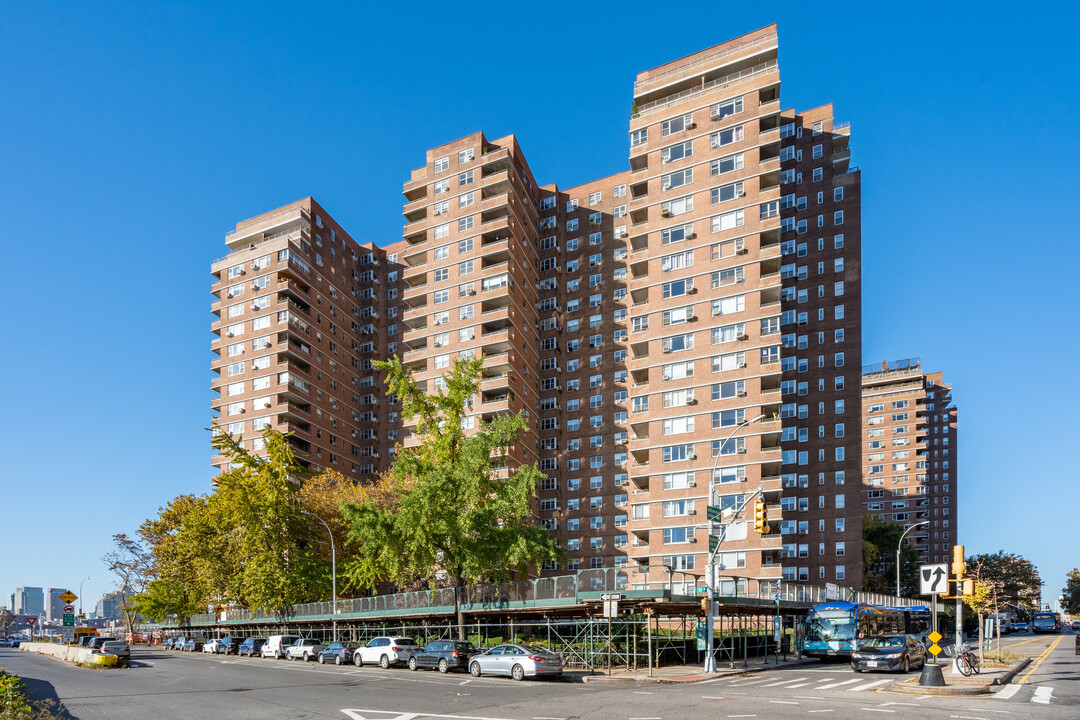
column 69, row 597
column 933, row 579
column 701, row 590
column 611, row 608
column 69, row 609
column 934, row 648
column 713, row 513
column 68, row 634
column 714, row 542
column 611, row 596
column 31, row 621
column 69, row 620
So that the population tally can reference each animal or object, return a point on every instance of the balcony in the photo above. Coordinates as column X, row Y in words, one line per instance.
column 841, row 156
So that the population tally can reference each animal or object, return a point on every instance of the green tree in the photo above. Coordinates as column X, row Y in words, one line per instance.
column 1071, row 593
column 448, row 511
column 133, row 565
column 983, row 599
column 880, row 540
column 165, row 598
column 1016, row 580
column 265, row 538
column 7, row 619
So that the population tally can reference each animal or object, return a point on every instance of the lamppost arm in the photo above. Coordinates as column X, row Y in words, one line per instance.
column 900, row 545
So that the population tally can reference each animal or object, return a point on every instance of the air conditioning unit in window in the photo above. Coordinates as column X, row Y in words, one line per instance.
column 744, row 337
column 691, row 318
column 741, row 251
column 742, row 365
column 691, row 456
column 691, row 483
column 692, row 512
column 741, row 393
column 266, row 404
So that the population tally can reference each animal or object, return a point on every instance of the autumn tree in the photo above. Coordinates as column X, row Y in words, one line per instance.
column 133, row 565
column 1017, row 580
column 444, row 509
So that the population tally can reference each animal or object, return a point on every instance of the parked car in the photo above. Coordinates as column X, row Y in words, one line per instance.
column 211, row 646
column 96, row 642
column 168, row 643
column 9, row 642
column 337, row 653
column 276, row 645
column 228, row 646
column 385, row 651
column 304, row 649
column 889, row 652
column 516, row 660
column 251, row 647
column 1075, row 625
column 119, row 648
column 84, row 641
column 193, row 644
column 446, row 655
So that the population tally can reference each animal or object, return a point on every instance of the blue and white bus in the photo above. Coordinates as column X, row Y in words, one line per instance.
column 835, row 629
column 917, row 621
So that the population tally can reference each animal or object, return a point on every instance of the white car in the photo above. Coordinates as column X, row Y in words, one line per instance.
column 211, row 646
column 305, row 649
column 385, row 651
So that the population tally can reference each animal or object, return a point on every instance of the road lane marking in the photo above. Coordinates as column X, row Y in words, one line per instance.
column 879, row 710
column 739, row 716
column 641, row 692
column 784, row 682
column 792, row 687
column 1007, row 692
column 838, row 684
column 813, row 711
column 867, row 686
column 755, row 682
column 1042, row 656
column 783, row 702
column 1042, row 695
column 967, row 717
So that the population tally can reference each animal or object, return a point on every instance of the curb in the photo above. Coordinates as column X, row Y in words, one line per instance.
column 949, row 690
column 1007, row 677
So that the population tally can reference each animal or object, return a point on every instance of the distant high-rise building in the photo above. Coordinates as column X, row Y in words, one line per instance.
column 54, row 607
column 28, row 601
column 909, row 454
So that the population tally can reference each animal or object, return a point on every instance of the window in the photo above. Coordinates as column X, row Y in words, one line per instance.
column 677, row 179
column 727, row 221
column 677, row 124
column 639, row 137
column 727, row 192
column 727, row 164
column 676, row 152
column 726, row 137
column 721, row 110
column 442, row 164
column 465, row 156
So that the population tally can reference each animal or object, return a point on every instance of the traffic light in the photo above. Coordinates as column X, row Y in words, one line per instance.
column 705, row 605
column 968, row 588
column 959, row 567
column 761, row 523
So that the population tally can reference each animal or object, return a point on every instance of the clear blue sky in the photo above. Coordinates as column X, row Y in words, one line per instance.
column 134, row 135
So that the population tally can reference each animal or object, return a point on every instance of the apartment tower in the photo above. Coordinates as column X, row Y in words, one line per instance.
column 302, row 314
column 681, row 333
column 909, row 455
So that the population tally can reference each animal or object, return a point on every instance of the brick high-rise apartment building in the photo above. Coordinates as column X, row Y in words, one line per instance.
column 688, row 326
column 909, row 454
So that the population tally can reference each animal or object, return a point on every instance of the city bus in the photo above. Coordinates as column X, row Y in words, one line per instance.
column 1046, row 622
column 917, row 621
column 835, row 629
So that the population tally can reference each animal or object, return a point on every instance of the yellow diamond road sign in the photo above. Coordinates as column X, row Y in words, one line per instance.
column 934, row 636
column 934, row 649
column 69, row 597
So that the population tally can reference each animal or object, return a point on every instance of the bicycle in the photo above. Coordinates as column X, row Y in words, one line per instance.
column 966, row 661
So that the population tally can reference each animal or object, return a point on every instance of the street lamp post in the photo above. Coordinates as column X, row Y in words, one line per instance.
column 80, row 592
column 333, row 566
column 900, row 545
column 710, row 570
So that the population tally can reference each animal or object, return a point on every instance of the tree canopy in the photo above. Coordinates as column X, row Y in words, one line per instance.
column 880, row 540
column 1071, row 592
column 443, row 509
column 1015, row 580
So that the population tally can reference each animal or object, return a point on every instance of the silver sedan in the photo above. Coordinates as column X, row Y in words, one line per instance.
column 516, row 661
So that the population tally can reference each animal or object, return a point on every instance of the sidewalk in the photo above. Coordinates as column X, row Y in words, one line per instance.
column 685, row 673
column 956, row 684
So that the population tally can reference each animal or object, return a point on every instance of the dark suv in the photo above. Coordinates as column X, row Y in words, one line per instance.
column 446, row 655
column 251, row 647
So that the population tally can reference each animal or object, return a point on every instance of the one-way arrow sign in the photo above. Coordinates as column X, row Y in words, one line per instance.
column 933, row 579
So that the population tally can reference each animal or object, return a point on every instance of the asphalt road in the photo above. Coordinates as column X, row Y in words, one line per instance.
column 163, row 685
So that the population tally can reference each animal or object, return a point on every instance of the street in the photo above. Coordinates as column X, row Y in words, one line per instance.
column 165, row 685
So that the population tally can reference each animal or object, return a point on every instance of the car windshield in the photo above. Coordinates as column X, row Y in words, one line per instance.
column 830, row 629
column 884, row 642
column 465, row 646
column 535, row 650
column 404, row 641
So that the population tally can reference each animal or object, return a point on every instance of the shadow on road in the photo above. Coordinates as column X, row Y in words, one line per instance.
column 43, row 692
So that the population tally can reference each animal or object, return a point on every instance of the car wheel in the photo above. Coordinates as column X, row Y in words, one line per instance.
column 384, row 662
column 322, row 660
column 905, row 666
column 412, row 664
column 306, row 657
column 357, row 660
column 337, row 659
column 474, row 669
column 443, row 666
column 517, row 672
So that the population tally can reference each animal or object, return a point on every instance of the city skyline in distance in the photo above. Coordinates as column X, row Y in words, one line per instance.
column 163, row 403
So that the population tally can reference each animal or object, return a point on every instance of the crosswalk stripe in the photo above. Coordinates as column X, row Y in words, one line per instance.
column 749, row 682
column 846, row 682
column 784, row 682
column 792, row 687
column 1007, row 692
column 867, row 686
column 1042, row 695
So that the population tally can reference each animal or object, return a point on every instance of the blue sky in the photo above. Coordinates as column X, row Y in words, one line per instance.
column 134, row 135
